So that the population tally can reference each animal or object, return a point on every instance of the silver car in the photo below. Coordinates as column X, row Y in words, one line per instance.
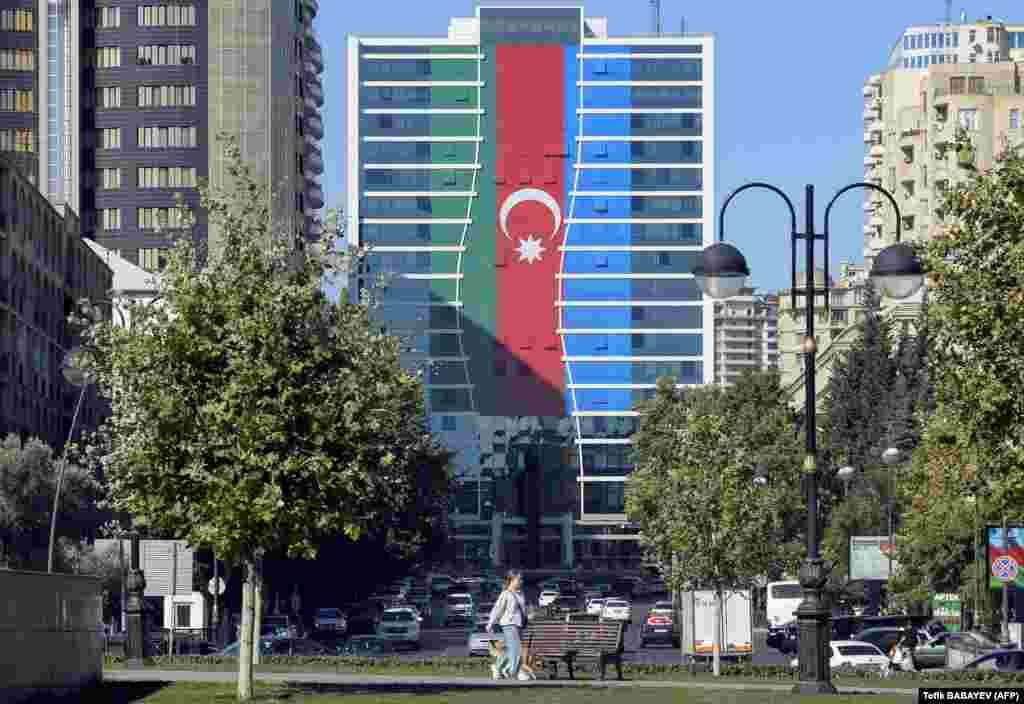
column 479, row 639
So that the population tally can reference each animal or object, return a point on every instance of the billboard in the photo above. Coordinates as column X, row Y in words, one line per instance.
column 870, row 557
column 1006, row 557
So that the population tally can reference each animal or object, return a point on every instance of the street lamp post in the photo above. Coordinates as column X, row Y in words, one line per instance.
column 721, row 272
column 75, row 377
column 891, row 457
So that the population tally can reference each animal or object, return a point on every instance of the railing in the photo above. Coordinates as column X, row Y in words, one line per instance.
column 990, row 88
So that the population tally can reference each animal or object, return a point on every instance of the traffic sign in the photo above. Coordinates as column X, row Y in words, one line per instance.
column 216, row 586
column 1005, row 569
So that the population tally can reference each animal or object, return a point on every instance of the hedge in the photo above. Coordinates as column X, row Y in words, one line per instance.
column 480, row 665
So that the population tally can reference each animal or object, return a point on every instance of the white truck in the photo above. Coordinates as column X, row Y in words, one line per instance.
column 698, row 624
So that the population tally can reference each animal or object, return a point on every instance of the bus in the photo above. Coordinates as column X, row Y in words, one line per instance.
column 783, row 598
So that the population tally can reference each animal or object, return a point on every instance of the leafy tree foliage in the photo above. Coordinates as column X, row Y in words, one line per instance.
column 251, row 414
column 976, row 318
column 28, row 479
column 701, row 514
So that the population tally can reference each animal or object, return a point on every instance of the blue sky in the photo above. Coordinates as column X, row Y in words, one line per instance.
column 789, row 100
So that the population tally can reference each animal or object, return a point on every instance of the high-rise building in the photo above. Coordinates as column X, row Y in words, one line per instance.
column 115, row 107
column 539, row 191
column 45, row 268
column 913, row 116
column 746, row 335
column 1015, row 41
column 923, row 46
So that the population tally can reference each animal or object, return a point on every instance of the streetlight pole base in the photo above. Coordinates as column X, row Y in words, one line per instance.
column 815, row 629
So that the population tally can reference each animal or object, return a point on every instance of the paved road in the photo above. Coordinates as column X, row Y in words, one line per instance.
column 419, row 681
column 437, row 641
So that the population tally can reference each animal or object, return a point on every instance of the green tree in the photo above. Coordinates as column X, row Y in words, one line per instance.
column 28, row 479
column 693, row 491
column 252, row 415
column 976, row 321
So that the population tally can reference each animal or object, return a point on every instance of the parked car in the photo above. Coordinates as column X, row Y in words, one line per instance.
column 329, row 619
column 602, row 585
column 367, row 647
column 441, row 583
column 547, row 597
column 624, row 587
column 881, row 638
column 232, row 649
column 278, row 627
column 461, row 608
column 855, row 654
column 595, row 606
column 660, row 625
column 400, row 626
column 930, row 654
column 298, row 646
column 999, row 660
column 616, row 610
column 363, row 619
column 479, row 638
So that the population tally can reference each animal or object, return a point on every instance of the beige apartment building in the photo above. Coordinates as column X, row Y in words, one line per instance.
column 912, row 117
column 746, row 335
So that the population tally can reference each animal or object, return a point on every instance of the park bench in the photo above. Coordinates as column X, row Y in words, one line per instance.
column 575, row 643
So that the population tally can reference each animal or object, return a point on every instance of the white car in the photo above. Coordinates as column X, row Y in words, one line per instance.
column 853, row 653
column 400, row 626
column 547, row 597
column 595, row 606
column 616, row 610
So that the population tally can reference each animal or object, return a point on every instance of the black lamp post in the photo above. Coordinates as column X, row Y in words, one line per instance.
column 721, row 272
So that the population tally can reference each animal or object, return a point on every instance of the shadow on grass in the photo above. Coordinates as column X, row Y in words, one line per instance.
column 105, row 693
column 410, row 688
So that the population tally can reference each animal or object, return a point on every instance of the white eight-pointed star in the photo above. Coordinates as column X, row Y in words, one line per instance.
column 530, row 250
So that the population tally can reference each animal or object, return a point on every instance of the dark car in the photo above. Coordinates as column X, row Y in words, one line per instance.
column 999, row 661
column 367, row 647
column 660, row 625
column 298, row 646
column 623, row 587
column 784, row 637
column 363, row 619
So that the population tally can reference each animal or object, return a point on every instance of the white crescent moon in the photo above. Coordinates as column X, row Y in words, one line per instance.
column 527, row 194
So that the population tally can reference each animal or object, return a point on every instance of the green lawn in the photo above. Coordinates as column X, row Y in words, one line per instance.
column 196, row 693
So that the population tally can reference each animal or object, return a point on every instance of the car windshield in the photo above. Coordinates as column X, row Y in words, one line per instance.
column 615, row 604
column 327, row 613
column 460, row 599
column 859, row 650
column 393, row 616
column 666, row 605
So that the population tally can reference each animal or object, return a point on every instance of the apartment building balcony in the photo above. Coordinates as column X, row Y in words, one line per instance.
column 869, row 206
column 313, row 6
column 312, row 176
column 314, row 161
column 869, row 91
column 875, row 80
column 316, row 58
column 870, row 161
column 877, row 151
column 870, row 114
column 315, row 196
column 868, row 137
column 313, row 91
column 314, row 125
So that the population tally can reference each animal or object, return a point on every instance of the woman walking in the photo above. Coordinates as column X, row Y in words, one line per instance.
column 509, row 612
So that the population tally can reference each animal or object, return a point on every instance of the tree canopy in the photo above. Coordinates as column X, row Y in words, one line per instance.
column 249, row 412
column 693, row 491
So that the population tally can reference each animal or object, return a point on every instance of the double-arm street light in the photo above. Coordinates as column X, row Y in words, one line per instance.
column 721, row 272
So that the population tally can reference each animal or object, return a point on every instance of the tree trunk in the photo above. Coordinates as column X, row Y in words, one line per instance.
column 716, row 643
column 245, row 636
column 257, row 603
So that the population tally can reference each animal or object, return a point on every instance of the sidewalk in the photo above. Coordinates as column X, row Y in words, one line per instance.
column 393, row 682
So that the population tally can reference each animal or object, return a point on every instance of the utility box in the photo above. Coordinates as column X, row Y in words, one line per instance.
column 698, row 624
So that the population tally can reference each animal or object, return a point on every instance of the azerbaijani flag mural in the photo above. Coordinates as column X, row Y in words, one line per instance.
column 513, row 256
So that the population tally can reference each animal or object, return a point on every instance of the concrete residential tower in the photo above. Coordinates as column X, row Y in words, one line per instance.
column 116, row 105
column 540, row 191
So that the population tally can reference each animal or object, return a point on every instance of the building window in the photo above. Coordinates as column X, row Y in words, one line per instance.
column 17, row 21
column 158, row 218
column 1015, row 119
column 166, row 54
column 17, row 60
column 108, row 17
column 109, row 218
column 167, row 15
column 448, row 423
column 108, row 179
column 957, row 85
column 109, row 138
column 976, row 85
column 165, row 137
column 183, row 615
column 166, row 177
column 17, row 140
column 167, row 96
column 152, row 259
column 108, row 97
column 107, row 57
column 968, row 118
column 16, row 100
column 990, row 34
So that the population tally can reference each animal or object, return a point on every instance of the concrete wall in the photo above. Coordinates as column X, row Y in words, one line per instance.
column 51, row 634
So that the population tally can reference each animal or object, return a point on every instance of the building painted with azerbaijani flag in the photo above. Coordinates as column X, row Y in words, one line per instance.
column 537, row 193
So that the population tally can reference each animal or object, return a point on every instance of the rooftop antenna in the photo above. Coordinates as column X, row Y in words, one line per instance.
column 682, row 25
column 949, row 11
column 656, row 16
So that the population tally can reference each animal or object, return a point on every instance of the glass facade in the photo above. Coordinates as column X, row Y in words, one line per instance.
column 535, row 198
